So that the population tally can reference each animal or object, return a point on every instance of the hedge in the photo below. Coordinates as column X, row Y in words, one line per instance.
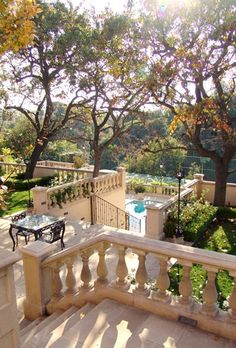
column 23, row 185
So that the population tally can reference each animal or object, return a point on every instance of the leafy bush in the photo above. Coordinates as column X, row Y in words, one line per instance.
column 139, row 188
column 195, row 216
column 201, row 217
column 170, row 225
column 23, row 185
column 224, row 213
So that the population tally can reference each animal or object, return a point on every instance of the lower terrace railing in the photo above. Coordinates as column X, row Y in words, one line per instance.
column 155, row 189
column 59, row 195
column 99, row 280
column 64, row 171
column 105, row 213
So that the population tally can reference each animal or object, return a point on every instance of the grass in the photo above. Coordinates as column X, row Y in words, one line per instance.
column 221, row 238
column 16, row 201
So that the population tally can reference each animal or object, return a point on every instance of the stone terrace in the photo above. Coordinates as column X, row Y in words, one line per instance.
column 79, row 232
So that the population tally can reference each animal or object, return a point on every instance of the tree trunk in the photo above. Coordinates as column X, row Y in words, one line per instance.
column 97, row 162
column 38, row 149
column 221, row 182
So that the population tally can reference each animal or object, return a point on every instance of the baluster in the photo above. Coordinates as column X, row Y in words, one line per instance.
column 102, row 271
column 232, row 302
column 56, row 282
column 163, row 281
column 85, row 272
column 80, row 190
column 141, row 273
column 70, row 277
column 121, row 269
column 185, row 285
column 209, row 295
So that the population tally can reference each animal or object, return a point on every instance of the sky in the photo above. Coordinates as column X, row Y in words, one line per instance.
column 99, row 5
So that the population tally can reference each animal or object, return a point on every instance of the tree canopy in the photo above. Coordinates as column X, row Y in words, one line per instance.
column 192, row 72
column 16, row 24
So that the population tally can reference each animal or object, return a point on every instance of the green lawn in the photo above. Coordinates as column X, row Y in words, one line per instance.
column 16, row 201
column 221, row 238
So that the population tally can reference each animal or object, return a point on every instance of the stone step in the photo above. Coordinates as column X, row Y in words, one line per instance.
column 106, row 321
column 37, row 325
column 114, row 325
column 49, row 338
column 41, row 335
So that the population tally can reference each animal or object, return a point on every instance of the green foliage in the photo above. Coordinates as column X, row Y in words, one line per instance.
column 198, row 276
column 155, row 154
column 60, row 150
column 220, row 238
column 139, row 188
column 7, row 155
column 16, row 201
column 19, row 184
column 79, row 161
column 193, row 169
column 226, row 213
column 19, row 136
column 195, row 220
column 195, row 216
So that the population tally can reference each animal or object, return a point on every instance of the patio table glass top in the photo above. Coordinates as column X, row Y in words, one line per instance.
column 36, row 222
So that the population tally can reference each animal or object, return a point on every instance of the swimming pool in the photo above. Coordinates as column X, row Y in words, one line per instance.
column 137, row 208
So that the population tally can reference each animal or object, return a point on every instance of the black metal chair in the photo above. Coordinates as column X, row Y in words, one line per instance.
column 20, row 232
column 53, row 233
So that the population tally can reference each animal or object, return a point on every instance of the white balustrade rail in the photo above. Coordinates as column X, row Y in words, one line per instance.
column 67, row 289
column 83, row 188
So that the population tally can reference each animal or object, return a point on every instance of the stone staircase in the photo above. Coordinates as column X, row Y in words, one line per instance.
column 113, row 325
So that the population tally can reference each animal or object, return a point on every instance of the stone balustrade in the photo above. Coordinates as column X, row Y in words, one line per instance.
column 66, row 288
column 82, row 189
column 9, row 327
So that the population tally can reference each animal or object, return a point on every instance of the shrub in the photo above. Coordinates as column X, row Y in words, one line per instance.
column 23, row 185
column 224, row 213
column 201, row 218
column 195, row 217
column 139, row 188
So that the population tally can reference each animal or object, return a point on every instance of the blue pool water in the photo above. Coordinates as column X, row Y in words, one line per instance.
column 137, row 208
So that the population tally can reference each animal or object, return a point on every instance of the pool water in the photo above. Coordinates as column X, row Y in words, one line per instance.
column 137, row 208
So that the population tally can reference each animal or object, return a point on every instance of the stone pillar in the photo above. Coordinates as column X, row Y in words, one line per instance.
column 209, row 295
column 121, row 269
column 154, row 223
column 123, row 175
column 163, row 280
column 185, row 285
column 37, row 284
column 198, row 188
column 102, row 271
column 141, row 275
column 122, row 172
column 9, row 327
column 40, row 199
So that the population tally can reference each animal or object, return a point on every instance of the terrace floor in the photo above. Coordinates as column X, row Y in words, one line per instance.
column 77, row 232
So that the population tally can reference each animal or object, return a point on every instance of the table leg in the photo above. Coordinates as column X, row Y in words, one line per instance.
column 12, row 237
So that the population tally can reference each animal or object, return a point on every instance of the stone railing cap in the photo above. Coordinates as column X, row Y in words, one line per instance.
column 38, row 249
column 8, row 257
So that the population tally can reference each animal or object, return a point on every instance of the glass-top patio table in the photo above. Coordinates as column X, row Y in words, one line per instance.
column 34, row 225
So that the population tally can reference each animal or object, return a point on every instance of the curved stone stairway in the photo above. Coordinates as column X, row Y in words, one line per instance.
column 114, row 325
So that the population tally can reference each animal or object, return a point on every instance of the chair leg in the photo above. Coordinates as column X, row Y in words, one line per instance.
column 26, row 240
column 62, row 245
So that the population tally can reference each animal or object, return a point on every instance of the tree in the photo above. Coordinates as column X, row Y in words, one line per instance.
column 109, row 73
column 19, row 137
column 38, row 72
column 16, row 24
column 192, row 72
